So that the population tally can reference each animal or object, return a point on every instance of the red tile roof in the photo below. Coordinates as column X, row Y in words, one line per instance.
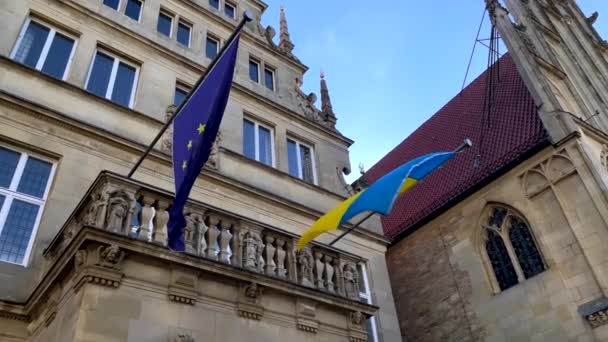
column 514, row 130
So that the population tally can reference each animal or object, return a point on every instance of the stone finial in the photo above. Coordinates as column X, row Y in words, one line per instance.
column 327, row 110
column 285, row 42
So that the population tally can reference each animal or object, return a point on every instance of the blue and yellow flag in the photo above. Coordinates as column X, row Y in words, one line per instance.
column 194, row 131
column 379, row 197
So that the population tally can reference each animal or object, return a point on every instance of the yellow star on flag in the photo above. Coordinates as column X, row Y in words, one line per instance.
column 184, row 165
column 201, row 128
column 190, row 144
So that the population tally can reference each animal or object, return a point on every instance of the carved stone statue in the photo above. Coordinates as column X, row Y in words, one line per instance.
column 202, row 241
column 94, row 214
column 252, row 245
column 110, row 257
column 357, row 318
column 80, row 259
column 213, row 160
column 305, row 267
column 119, row 207
column 253, row 291
column 189, row 232
column 281, row 254
column 167, row 140
column 351, row 281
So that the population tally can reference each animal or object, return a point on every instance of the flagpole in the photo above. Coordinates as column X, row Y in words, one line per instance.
column 246, row 18
column 466, row 144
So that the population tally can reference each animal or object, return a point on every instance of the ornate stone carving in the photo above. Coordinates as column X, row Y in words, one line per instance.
column 319, row 268
column 212, row 234
column 120, row 208
column 190, row 232
column 598, row 318
column 269, row 33
column 96, row 211
column 549, row 171
column 270, row 250
column 167, row 140
column 214, row 154
column 329, row 274
column 225, row 238
column 249, row 305
column 161, row 218
column 305, row 267
column 110, row 257
column 80, row 259
column 252, row 246
column 525, row 38
column 351, row 281
column 593, row 18
column 604, row 157
column 183, row 337
column 357, row 318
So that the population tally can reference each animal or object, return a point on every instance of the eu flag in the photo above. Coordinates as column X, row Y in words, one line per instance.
column 194, row 131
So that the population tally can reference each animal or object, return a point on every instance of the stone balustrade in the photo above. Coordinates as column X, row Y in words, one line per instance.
column 131, row 208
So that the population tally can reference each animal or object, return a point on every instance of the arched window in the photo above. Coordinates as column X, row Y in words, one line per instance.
column 510, row 248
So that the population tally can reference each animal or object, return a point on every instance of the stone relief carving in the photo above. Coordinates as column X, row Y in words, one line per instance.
column 253, row 291
column 604, row 157
column 110, row 257
column 167, row 140
column 191, row 229
column 183, row 337
column 213, row 160
column 351, row 281
column 96, row 210
column 549, row 171
column 305, row 267
column 357, row 318
column 252, row 247
column 120, row 208
column 80, row 259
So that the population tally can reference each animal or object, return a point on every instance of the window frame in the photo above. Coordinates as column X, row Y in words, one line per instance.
column 117, row 9
column 300, row 176
column 181, row 86
column 234, row 7
column 256, row 141
column 273, row 73
column 170, row 15
column 11, row 194
column 259, row 64
column 188, row 24
column 141, row 9
column 217, row 40
column 367, row 295
column 219, row 5
column 503, row 233
column 112, row 80
column 47, row 45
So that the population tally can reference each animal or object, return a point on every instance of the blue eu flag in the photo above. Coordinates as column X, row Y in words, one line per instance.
column 194, row 131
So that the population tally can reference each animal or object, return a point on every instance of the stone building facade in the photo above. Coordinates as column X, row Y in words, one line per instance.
column 84, row 87
column 508, row 242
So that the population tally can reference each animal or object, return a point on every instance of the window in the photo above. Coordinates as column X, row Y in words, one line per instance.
column 301, row 160
column 510, row 248
column 133, row 9
column 229, row 10
column 254, row 71
column 269, row 78
column 181, row 92
column 165, row 23
column 112, row 3
column 212, row 47
column 183, row 33
column 258, row 143
column 366, row 297
column 112, row 78
column 24, row 186
column 215, row 4
column 44, row 48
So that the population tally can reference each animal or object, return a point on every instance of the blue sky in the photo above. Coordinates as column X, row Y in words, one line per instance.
column 389, row 65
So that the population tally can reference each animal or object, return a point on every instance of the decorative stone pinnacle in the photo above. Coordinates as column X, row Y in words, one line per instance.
column 326, row 108
column 285, row 43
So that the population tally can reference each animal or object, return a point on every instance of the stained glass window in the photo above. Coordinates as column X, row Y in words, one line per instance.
column 523, row 243
column 506, row 229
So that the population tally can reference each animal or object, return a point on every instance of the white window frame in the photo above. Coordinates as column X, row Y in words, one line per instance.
column 170, row 15
column 273, row 72
column 141, row 9
column 299, row 159
column 367, row 295
column 117, row 9
column 113, row 73
column 190, row 28
column 217, row 40
column 256, row 140
column 11, row 194
column 47, row 45
column 259, row 63
column 231, row 4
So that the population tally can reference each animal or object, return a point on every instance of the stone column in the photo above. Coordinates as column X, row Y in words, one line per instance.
column 270, row 249
column 281, row 271
column 225, row 238
column 212, row 235
column 160, row 222
column 147, row 214
column 319, row 266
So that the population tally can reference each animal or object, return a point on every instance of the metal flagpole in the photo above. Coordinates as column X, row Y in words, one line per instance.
column 246, row 18
column 466, row 144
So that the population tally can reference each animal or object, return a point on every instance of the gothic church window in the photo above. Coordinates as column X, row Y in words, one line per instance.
column 510, row 248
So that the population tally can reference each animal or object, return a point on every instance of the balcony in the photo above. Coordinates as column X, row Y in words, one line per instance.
column 122, row 219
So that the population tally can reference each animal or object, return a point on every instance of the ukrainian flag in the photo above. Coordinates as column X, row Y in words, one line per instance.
column 379, row 197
